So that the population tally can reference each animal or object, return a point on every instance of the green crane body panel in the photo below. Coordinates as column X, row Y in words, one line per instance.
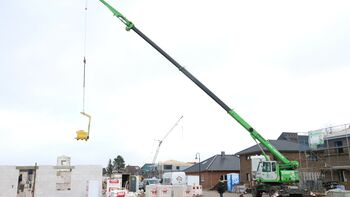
column 286, row 168
column 278, row 176
column 289, row 176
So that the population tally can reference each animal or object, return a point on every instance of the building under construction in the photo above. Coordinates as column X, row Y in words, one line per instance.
column 323, row 155
column 329, row 155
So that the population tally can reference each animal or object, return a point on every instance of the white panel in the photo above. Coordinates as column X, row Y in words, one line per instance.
column 93, row 188
column 8, row 181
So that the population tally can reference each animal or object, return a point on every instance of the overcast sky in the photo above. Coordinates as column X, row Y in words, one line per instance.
column 284, row 66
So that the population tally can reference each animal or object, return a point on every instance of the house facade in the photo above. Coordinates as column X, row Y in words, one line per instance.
column 214, row 168
column 157, row 170
column 172, row 166
column 147, row 170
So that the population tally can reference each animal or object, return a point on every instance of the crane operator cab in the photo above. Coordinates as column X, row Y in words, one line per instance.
column 271, row 171
column 267, row 171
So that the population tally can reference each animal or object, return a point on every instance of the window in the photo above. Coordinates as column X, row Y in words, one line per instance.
column 312, row 157
column 342, row 177
column 339, row 144
column 166, row 181
column 223, row 177
column 266, row 167
column 177, row 167
column 64, row 162
column 259, row 166
column 168, row 167
column 273, row 164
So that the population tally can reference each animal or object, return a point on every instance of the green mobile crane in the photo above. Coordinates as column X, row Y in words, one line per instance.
column 273, row 177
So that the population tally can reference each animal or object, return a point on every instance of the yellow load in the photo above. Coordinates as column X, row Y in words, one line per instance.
column 82, row 135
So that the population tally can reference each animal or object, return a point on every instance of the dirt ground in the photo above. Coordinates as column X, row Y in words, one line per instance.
column 207, row 193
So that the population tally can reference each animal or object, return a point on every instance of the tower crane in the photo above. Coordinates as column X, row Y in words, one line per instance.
column 162, row 140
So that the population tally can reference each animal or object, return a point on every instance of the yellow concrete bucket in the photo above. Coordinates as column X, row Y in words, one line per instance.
column 82, row 135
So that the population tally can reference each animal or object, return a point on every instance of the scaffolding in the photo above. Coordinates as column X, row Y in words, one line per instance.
column 328, row 158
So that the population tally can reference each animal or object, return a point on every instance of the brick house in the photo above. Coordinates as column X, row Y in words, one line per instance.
column 213, row 168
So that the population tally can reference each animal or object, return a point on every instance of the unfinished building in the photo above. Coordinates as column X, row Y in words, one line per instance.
column 323, row 155
column 330, row 154
column 60, row 180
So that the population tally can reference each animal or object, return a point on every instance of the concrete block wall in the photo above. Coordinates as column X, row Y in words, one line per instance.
column 45, row 182
column 80, row 175
column 8, row 181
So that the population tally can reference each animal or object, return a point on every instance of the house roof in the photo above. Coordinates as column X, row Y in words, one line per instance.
column 217, row 163
column 294, row 137
column 281, row 145
column 147, row 167
column 174, row 162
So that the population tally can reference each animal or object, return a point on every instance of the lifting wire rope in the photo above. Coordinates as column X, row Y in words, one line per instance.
column 84, row 60
column 82, row 134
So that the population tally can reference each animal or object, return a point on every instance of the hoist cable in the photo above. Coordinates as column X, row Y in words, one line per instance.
column 84, row 60
column 84, row 84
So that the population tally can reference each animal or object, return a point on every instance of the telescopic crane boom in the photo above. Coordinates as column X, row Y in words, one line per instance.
column 255, row 135
column 272, row 176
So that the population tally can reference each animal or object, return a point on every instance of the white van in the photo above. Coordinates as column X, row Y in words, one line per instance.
column 174, row 178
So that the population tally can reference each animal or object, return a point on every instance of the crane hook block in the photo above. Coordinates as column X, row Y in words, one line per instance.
column 82, row 135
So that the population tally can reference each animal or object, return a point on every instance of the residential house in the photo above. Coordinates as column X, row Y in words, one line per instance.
column 132, row 170
column 157, row 170
column 217, row 166
column 172, row 166
column 147, row 170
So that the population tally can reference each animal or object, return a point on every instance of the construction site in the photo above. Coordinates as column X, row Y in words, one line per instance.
column 209, row 160
column 324, row 170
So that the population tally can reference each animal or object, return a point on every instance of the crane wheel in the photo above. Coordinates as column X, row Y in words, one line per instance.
column 256, row 193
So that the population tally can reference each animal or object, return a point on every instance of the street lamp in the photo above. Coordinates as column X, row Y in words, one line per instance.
column 198, row 156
